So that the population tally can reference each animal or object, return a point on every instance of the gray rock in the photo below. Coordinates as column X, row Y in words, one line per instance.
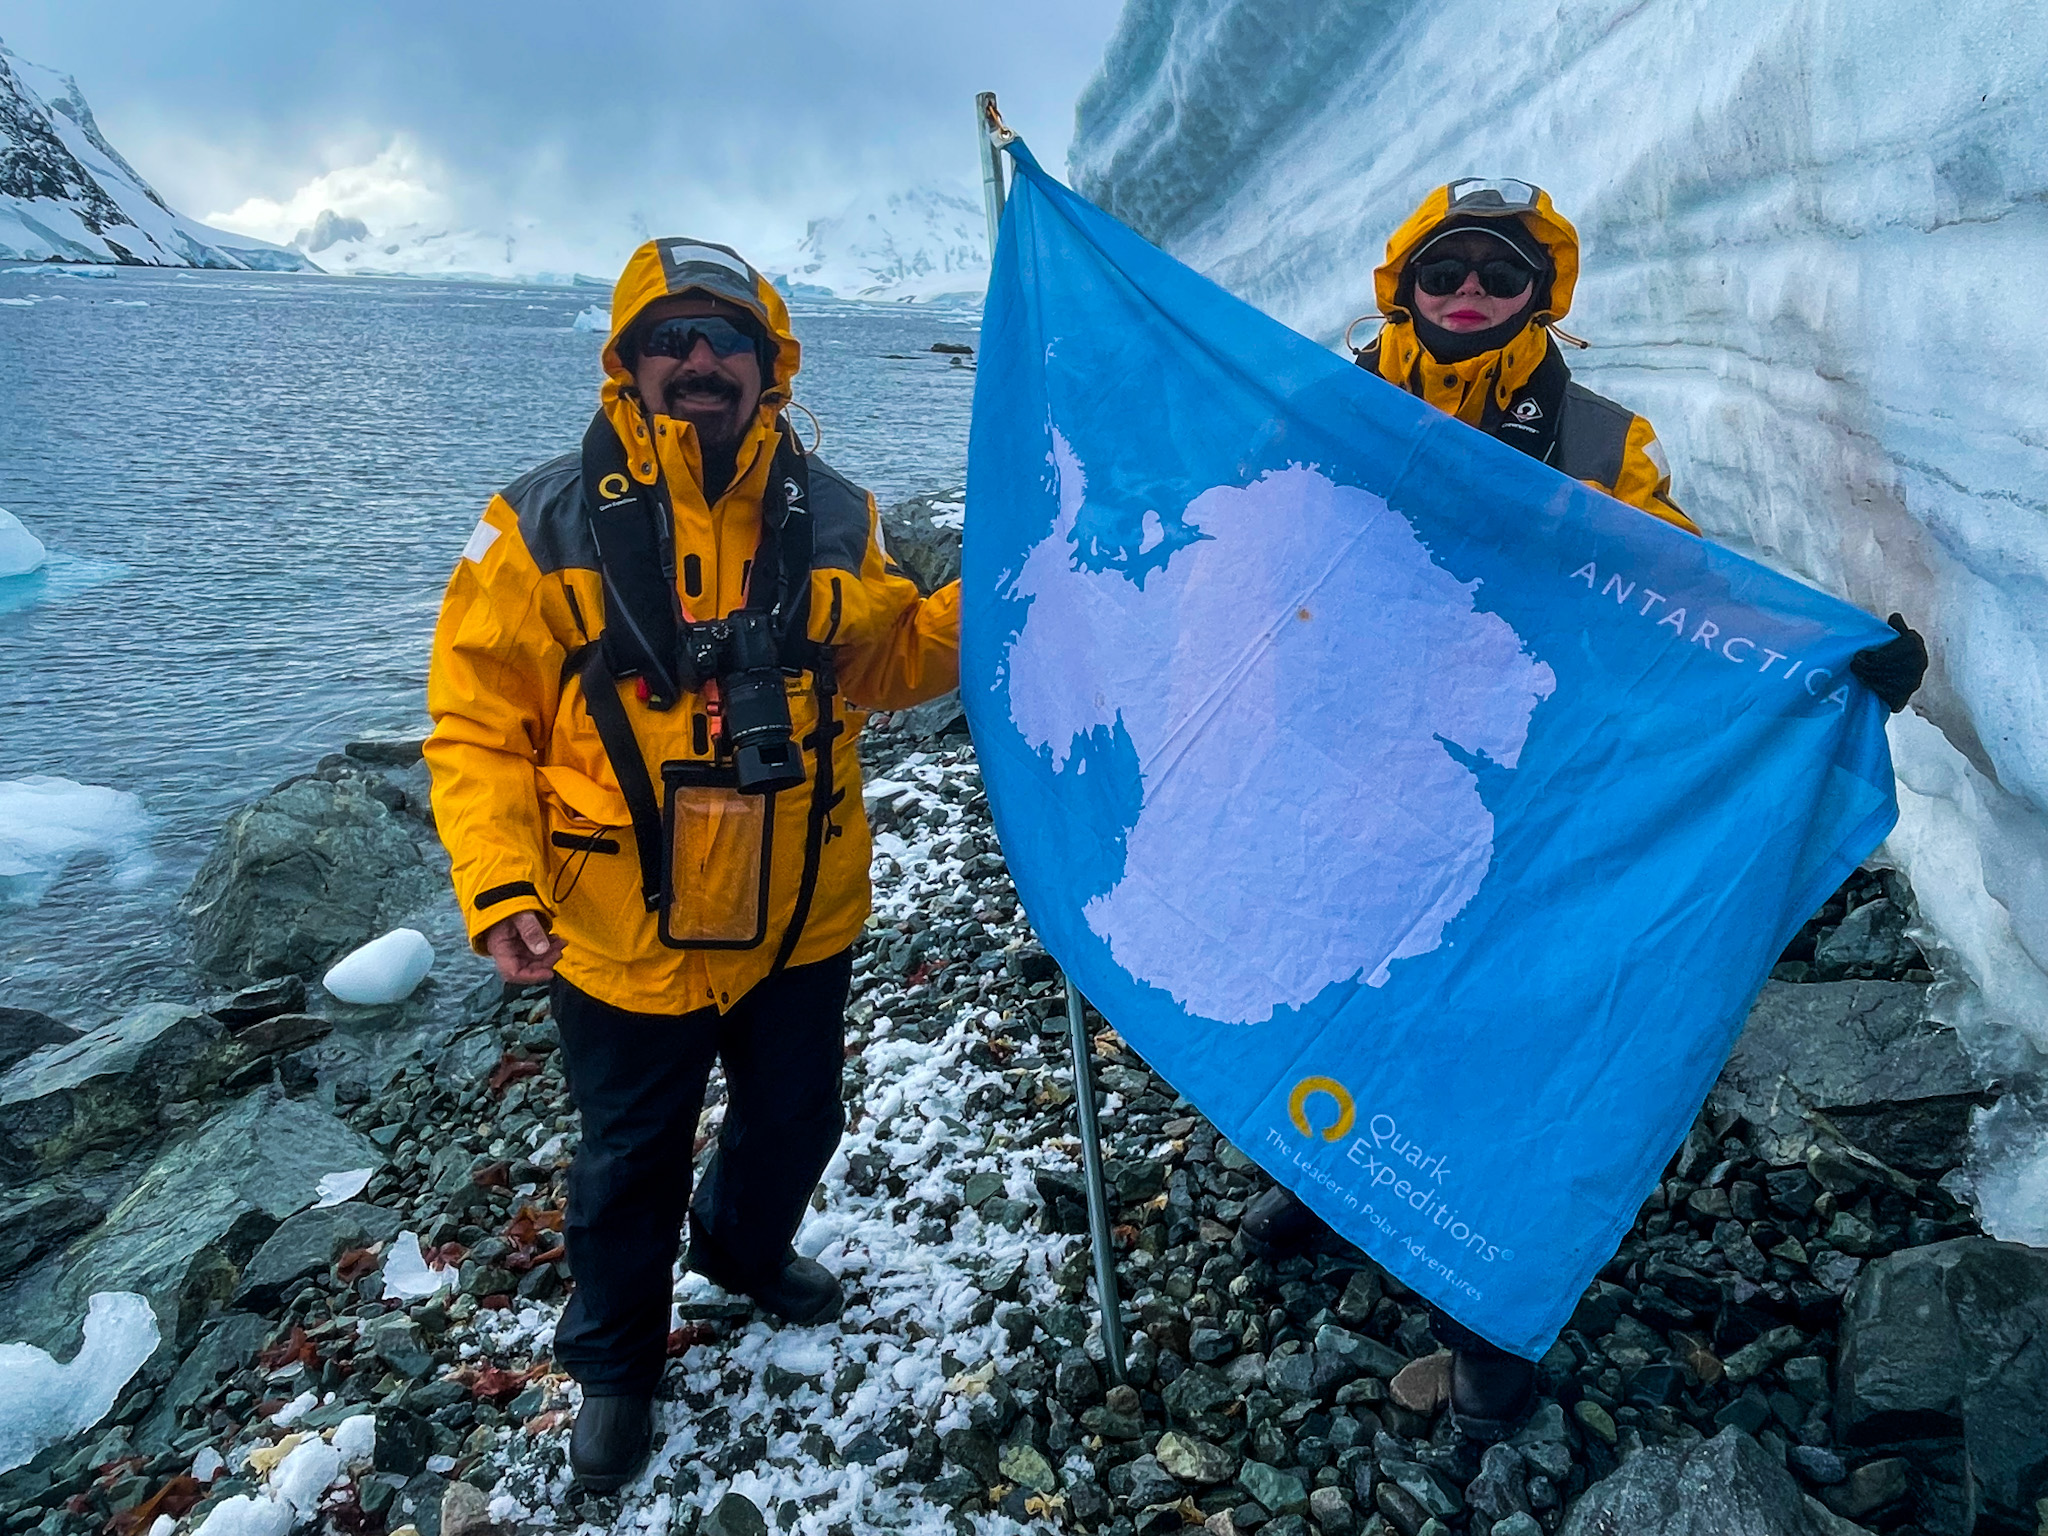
column 200, row 1211
column 1194, row 1460
column 1726, row 1486
column 923, row 535
column 1865, row 1054
column 1281, row 1492
column 1517, row 1525
column 307, row 873
column 227, row 1344
column 396, row 1340
column 1871, row 941
column 935, row 719
column 264, row 1000
column 1497, row 1491
column 1869, row 1488
column 1198, row 1390
column 1354, row 1355
column 735, row 1515
column 306, row 1244
column 467, row 1059
column 397, row 751
column 23, row 1030
column 1025, row 1465
column 1428, row 1487
column 101, row 1090
column 1332, row 1511
column 1952, row 1339
column 465, row 1510
column 41, row 1218
column 1151, row 1484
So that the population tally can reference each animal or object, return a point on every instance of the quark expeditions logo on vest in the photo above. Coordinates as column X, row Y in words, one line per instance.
column 1527, row 410
column 614, row 486
column 1399, row 1185
column 1712, row 635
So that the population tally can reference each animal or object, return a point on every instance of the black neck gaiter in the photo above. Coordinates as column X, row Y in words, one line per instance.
column 1452, row 347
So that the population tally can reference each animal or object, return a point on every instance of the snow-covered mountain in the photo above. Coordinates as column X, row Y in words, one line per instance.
column 1811, row 239
column 927, row 243
column 527, row 254
column 66, row 193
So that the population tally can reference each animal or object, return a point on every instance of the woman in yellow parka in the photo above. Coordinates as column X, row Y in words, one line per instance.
column 1473, row 282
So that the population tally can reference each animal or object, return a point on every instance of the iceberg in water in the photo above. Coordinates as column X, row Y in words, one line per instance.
column 20, row 550
column 595, row 318
column 42, row 1402
column 385, row 970
column 46, row 822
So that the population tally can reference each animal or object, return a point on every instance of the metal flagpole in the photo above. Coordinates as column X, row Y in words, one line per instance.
column 991, row 133
column 1098, row 1196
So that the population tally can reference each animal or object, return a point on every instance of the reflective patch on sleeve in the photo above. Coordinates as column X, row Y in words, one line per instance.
column 1654, row 452
column 882, row 542
column 480, row 542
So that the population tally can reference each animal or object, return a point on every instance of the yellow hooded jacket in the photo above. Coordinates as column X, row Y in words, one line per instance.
column 1598, row 441
column 524, row 795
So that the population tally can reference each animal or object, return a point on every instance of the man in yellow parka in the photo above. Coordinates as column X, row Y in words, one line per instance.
column 647, row 780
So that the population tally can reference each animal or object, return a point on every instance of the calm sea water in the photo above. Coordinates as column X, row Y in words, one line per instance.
column 253, row 488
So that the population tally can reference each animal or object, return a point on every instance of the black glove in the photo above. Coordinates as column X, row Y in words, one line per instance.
column 1893, row 672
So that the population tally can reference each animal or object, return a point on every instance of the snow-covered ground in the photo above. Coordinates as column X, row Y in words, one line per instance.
column 1811, row 238
column 926, row 243
column 528, row 254
column 66, row 193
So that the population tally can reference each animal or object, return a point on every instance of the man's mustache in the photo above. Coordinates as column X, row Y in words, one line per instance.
column 701, row 384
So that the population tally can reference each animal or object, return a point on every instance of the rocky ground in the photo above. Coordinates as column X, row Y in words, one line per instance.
column 1804, row 1332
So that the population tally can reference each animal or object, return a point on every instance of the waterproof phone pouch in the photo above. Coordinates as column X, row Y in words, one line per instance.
column 718, row 855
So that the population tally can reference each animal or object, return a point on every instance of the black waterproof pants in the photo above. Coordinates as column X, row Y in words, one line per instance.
column 638, row 1082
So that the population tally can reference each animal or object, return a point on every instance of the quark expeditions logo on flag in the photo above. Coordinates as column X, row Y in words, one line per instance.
column 1337, row 758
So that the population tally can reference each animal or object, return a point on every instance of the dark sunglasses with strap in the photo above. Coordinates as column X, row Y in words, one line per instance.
column 678, row 337
column 1501, row 276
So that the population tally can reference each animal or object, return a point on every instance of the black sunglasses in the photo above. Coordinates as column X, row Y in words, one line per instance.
column 1500, row 276
column 678, row 337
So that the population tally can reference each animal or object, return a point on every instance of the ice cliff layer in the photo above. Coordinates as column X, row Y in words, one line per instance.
column 67, row 194
column 1813, row 236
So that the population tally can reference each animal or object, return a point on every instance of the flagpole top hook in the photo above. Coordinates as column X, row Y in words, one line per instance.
column 998, row 131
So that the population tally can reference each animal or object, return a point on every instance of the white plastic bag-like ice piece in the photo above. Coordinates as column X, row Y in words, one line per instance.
column 406, row 1275
column 303, row 1476
column 20, row 550
column 337, row 1188
column 384, row 970
column 355, row 1440
column 42, row 1402
column 246, row 1516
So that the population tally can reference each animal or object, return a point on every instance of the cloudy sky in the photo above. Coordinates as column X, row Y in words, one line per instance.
column 584, row 127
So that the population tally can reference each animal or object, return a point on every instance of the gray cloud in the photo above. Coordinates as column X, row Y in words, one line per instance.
column 736, row 119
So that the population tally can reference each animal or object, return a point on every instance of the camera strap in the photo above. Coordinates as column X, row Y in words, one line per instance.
column 633, row 526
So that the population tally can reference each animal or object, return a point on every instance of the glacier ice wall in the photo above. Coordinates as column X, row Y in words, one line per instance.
column 1814, row 234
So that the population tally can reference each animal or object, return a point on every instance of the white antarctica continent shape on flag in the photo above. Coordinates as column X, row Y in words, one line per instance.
column 1298, row 684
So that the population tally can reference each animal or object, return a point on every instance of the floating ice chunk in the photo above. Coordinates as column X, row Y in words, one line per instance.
column 20, row 550
column 595, row 318
column 384, row 970
column 335, row 1188
column 47, row 822
column 20, row 303
column 304, row 1475
column 406, row 1275
column 355, row 1440
column 246, row 1516
column 42, row 1402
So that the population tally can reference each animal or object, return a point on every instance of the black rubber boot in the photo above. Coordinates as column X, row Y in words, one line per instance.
column 1492, row 1391
column 610, row 1441
column 1278, row 1226
column 803, row 1292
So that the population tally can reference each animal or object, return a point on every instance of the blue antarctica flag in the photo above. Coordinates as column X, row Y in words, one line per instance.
column 1428, row 819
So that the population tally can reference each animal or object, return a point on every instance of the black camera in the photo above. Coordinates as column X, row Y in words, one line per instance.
column 739, row 655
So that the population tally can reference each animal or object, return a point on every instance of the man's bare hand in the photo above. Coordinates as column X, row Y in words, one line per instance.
column 522, row 948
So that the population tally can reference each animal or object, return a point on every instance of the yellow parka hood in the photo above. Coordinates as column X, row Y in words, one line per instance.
column 1473, row 200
